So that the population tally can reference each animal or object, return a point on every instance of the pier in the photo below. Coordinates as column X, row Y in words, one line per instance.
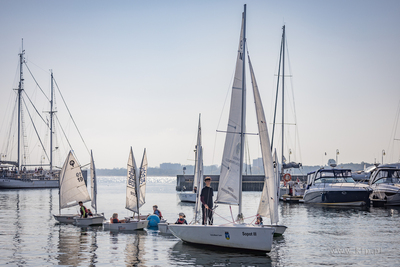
column 249, row 183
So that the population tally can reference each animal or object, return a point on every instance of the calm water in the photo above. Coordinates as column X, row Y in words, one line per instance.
column 315, row 236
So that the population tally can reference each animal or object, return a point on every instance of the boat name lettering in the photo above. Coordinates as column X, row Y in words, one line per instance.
column 249, row 234
column 215, row 235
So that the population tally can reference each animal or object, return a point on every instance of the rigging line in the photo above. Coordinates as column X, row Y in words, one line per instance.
column 63, row 132
column 29, row 114
column 11, row 124
column 36, row 81
column 71, row 115
column 35, row 109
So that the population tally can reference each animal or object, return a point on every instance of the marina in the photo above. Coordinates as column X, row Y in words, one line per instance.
column 315, row 235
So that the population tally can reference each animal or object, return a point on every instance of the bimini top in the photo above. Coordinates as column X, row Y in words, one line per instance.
column 332, row 176
column 385, row 175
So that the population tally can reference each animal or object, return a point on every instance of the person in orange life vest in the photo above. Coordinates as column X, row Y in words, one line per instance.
column 114, row 219
column 157, row 211
column 206, row 197
column 89, row 212
column 83, row 210
column 181, row 219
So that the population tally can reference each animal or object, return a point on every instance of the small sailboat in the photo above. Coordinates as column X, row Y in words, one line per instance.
column 135, row 196
column 72, row 189
column 237, row 234
column 268, row 206
column 96, row 218
column 192, row 196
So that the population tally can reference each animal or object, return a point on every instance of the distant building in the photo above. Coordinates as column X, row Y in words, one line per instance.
column 171, row 166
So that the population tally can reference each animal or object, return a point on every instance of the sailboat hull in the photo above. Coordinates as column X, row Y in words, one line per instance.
column 163, row 227
column 187, row 197
column 15, row 183
column 97, row 219
column 129, row 226
column 235, row 236
column 65, row 218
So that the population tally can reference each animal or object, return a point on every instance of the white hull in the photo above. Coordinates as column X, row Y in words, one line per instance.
column 97, row 219
column 187, row 197
column 15, row 183
column 129, row 226
column 65, row 218
column 164, row 229
column 279, row 229
column 238, row 236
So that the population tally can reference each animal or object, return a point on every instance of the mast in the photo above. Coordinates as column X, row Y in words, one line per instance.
column 51, row 124
column 20, row 89
column 283, row 92
column 242, row 114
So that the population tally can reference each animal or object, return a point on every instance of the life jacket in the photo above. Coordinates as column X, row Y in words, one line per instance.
column 159, row 213
column 115, row 220
column 84, row 211
column 181, row 221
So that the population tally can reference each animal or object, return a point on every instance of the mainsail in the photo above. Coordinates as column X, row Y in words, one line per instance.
column 131, row 185
column 142, row 180
column 269, row 201
column 198, row 174
column 72, row 184
column 229, row 180
column 94, row 182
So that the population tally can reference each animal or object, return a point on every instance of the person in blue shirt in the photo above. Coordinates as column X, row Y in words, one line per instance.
column 157, row 211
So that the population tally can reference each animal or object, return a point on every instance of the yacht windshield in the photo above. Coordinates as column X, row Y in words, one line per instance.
column 334, row 176
column 388, row 176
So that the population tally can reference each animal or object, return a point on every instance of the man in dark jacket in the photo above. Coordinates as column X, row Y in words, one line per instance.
column 206, row 197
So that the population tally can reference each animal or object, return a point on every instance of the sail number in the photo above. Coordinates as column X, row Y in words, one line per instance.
column 131, row 179
column 79, row 176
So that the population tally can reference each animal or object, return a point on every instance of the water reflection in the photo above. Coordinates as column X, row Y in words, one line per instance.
column 202, row 255
column 135, row 249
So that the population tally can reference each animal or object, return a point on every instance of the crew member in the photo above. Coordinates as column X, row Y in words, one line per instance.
column 206, row 198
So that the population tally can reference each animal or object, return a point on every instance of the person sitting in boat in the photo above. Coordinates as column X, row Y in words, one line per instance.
column 195, row 189
column 83, row 210
column 114, row 219
column 157, row 211
column 181, row 219
column 259, row 220
column 89, row 212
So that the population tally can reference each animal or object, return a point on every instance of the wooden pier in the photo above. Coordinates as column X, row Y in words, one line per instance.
column 249, row 183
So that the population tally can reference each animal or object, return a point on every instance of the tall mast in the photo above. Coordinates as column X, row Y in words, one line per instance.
column 243, row 110
column 20, row 89
column 51, row 124
column 283, row 91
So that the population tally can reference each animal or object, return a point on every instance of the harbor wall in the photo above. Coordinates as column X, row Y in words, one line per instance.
column 249, row 183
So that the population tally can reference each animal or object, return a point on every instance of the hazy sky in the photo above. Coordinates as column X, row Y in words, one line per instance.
column 138, row 73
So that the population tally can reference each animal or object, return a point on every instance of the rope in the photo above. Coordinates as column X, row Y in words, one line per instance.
column 35, row 108
column 36, row 81
column 71, row 116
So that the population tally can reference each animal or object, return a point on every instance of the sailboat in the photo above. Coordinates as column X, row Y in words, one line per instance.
column 237, row 234
column 192, row 196
column 197, row 181
column 268, row 206
column 72, row 189
column 96, row 218
column 135, row 196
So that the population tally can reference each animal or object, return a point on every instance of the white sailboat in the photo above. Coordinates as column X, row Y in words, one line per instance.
column 268, row 206
column 96, row 218
column 135, row 196
column 72, row 189
column 237, row 234
column 192, row 196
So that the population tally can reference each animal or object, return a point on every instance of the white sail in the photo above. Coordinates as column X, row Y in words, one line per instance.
column 142, row 181
column 131, row 185
column 94, row 182
column 269, row 201
column 72, row 184
column 229, row 180
column 198, row 175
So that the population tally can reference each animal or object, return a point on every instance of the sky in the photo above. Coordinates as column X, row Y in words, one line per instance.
column 138, row 74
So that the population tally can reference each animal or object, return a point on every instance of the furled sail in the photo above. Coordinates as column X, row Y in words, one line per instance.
column 229, row 180
column 142, row 180
column 131, row 185
column 94, row 182
column 198, row 174
column 269, row 201
column 72, row 185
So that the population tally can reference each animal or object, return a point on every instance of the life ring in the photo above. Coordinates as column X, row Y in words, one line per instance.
column 286, row 178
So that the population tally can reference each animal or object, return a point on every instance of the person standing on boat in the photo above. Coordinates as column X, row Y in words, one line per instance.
column 83, row 210
column 206, row 198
